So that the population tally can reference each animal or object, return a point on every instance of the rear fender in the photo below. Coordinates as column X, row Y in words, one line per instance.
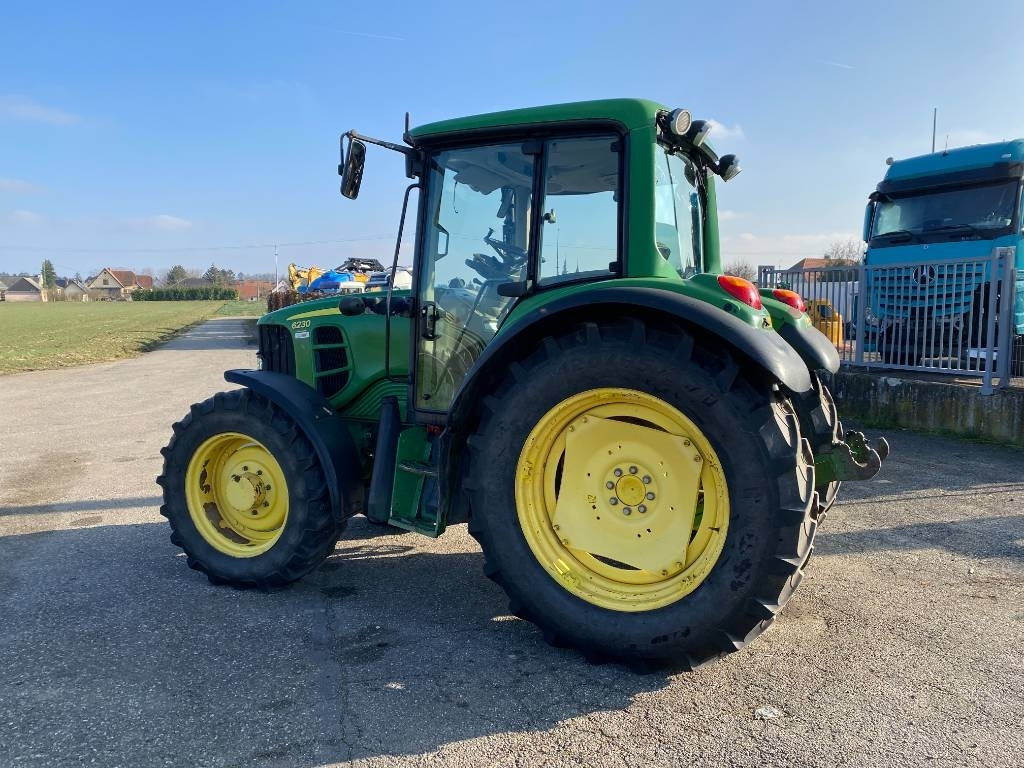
column 321, row 425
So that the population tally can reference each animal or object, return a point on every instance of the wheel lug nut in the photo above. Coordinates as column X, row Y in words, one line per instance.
column 627, row 511
column 236, row 478
column 613, row 501
column 633, row 470
column 618, row 472
column 641, row 509
column 609, row 485
column 245, row 469
column 646, row 479
column 650, row 496
column 266, row 503
column 259, row 471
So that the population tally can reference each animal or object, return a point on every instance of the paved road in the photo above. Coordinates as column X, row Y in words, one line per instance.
column 901, row 648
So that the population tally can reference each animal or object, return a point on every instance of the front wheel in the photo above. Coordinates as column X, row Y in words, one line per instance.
column 639, row 497
column 245, row 493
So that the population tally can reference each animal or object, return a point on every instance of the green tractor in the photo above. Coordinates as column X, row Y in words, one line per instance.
column 642, row 447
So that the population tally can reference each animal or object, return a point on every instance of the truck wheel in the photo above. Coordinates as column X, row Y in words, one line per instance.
column 639, row 496
column 819, row 423
column 245, row 493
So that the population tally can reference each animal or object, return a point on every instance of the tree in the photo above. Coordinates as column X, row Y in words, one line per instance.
column 741, row 269
column 219, row 276
column 176, row 274
column 847, row 252
column 841, row 258
column 49, row 274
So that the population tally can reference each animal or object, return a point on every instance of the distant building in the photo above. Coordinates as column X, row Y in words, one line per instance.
column 112, row 284
column 26, row 289
column 253, row 290
column 74, row 290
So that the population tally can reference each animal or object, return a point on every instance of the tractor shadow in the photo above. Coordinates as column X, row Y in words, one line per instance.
column 390, row 648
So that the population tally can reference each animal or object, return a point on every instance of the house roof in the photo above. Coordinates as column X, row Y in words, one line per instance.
column 25, row 284
column 124, row 276
column 3, row 286
column 144, row 281
column 76, row 283
column 808, row 264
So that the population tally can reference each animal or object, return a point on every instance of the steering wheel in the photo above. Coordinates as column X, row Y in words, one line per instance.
column 511, row 258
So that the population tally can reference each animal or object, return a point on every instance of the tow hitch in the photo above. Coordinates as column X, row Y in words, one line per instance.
column 853, row 459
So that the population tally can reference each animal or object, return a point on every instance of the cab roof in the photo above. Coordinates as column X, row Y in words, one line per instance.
column 632, row 113
column 977, row 157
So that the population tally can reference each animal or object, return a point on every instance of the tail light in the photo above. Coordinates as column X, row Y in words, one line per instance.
column 790, row 297
column 741, row 289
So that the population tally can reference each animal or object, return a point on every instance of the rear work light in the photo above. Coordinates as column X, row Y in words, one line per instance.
column 790, row 297
column 741, row 289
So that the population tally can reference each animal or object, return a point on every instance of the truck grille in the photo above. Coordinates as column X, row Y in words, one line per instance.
column 943, row 290
column 275, row 349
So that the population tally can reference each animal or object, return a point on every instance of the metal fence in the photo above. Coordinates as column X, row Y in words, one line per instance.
column 954, row 317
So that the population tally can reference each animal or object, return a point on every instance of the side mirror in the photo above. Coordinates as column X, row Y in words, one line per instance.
column 352, row 169
column 868, row 211
column 729, row 167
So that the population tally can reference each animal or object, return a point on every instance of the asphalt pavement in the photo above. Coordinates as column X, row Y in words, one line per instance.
column 902, row 647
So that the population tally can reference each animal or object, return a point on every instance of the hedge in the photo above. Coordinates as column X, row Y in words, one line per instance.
column 204, row 293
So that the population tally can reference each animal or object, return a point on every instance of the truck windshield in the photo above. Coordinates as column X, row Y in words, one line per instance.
column 978, row 211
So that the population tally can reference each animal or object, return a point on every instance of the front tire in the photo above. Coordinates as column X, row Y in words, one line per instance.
column 245, row 493
column 609, row 417
column 819, row 423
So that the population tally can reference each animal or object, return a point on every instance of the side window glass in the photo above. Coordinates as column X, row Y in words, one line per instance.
column 581, row 209
column 476, row 238
column 677, row 215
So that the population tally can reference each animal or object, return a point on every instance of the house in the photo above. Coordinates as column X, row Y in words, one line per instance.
column 26, row 289
column 144, row 281
column 3, row 291
column 113, row 284
column 253, row 290
column 74, row 290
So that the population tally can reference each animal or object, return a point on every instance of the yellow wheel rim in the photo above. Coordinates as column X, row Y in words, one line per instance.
column 236, row 495
column 622, row 499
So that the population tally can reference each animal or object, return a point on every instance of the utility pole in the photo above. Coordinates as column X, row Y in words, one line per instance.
column 935, row 117
column 275, row 258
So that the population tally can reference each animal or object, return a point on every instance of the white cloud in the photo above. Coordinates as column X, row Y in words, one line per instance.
column 18, row 187
column 18, row 108
column 721, row 131
column 167, row 223
column 25, row 218
column 836, row 64
column 728, row 215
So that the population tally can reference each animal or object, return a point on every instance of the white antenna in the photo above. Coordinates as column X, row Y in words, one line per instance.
column 935, row 117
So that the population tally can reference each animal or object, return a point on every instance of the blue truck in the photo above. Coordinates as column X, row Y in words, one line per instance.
column 931, row 226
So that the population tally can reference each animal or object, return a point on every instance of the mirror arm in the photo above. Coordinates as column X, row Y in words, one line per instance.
column 407, row 151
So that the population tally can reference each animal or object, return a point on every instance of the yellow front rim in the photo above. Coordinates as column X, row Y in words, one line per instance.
column 622, row 499
column 236, row 495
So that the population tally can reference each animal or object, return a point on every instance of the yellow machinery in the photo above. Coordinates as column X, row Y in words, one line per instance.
column 825, row 318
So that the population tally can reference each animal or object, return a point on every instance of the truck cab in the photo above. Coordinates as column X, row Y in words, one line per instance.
column 952, row 208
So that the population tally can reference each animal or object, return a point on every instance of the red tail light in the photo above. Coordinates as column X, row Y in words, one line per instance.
column 790, row 297
column 744, row 290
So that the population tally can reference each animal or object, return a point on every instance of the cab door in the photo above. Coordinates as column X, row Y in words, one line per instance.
column 476, row 236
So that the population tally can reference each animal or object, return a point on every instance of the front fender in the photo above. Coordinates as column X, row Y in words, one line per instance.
column 321, row 425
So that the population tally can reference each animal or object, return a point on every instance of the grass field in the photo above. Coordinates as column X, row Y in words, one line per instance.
column 35, row 337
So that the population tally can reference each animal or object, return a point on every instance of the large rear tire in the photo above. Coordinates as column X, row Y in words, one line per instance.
column 639, row 496
column 819, row 423
column 245, row 493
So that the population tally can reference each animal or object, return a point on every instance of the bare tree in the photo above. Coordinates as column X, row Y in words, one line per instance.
column 741, row 269
column 845, row 252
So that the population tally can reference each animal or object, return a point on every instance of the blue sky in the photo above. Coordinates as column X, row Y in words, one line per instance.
column 143, row 136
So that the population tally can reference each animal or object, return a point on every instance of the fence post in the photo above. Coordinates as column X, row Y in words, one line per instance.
column 1005, row 324
column 861, row 307
column 991, row 344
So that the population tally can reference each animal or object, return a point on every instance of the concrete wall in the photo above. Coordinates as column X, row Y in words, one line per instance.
column 927, row 405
